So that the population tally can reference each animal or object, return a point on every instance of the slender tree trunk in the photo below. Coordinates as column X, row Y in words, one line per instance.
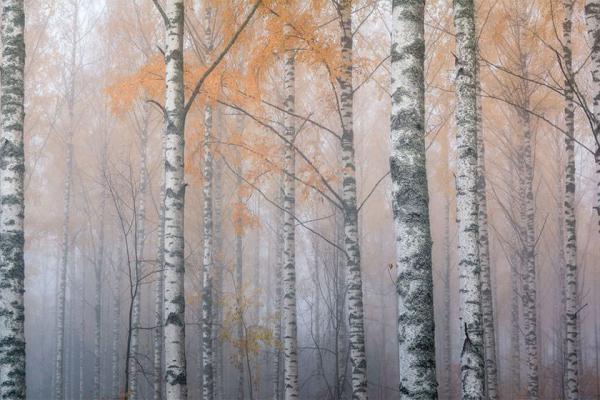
column 207, row 264
column 239, row 291
column 290, row 329
column 472, row 363
column 59, row 367
column 208, row 381
column 592, row 19
column 218, row 267
column 529, row 282
column 174, row 297
column 570, row 279
column 410, row 204
column 12, row 204
column 358, row 357
column 277, row 331
column 157, row 381
column 487, row 298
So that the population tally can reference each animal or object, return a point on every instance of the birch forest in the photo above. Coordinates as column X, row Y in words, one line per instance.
column 299, row 199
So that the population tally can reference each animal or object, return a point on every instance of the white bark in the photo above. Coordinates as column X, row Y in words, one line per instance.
column 174, row 298
column 472, row 363
column 358, row 357
column 290, row 329
column 570, row 280
column 410, row 204
column 12, row 208
column 207, row 264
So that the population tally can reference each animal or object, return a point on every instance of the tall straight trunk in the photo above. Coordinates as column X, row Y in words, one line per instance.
column 277, row 331
column 471, row 360
column 290, row 329
column 529, row 281
column 592, row 20
column 140, row 241
column 157, row 381
column 208, row 381
column 218, row 267
column 239, row 292
column 207, row 263
column 12, row 204
column 174, row 297
column 116, row 342
column 570, row 231
column 487, row 298
column 410, row 204
column 59, row 367
column 358, row 356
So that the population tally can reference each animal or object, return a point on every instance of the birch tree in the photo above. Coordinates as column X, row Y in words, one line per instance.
column 290, row 329
column 410, row 204
column 471, row 360
column 358, row 356
column 174, row 300
column 12, row 208
column 207, row 263
column 570, row 229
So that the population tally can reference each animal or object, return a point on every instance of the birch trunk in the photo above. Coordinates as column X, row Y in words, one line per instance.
column 59, row 367
column 207, row 264
column 487, row 306
column 12, row 208
column 219, row 268
column 529, row 294
column 157, row 381
column 276, row 370
column 592, row 20
column 472, row 363
column 239, row 283
column 570, row 231
column 174, row 297
column 290, row 329
column 410, row 204
column 358, row 357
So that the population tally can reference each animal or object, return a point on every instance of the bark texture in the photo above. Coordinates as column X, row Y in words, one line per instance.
column 174, row 299
column 570, row 228
column 472, row 358
column 410, row 204
column 358, row 358
column 207, row 263
column 290, row 329
column 12, row 202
